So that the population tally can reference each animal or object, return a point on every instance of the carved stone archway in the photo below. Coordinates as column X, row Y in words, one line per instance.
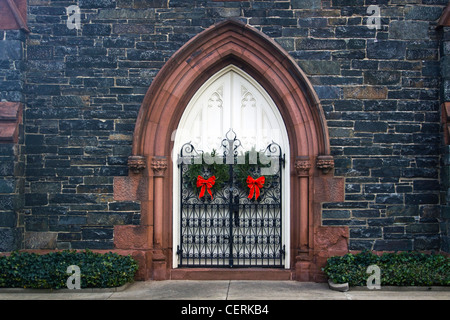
column 151, row 173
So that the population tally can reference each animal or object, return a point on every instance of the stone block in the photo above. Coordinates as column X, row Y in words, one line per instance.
column 327, row 92
column 40, row 240
column 345, row 3
column 402, row 210
column 74, row 62
column 421, row 198
column 306, row 4
column 408, row 30
column 365, row 232
column 7, row 219
column 11, row 50
column 426, row 13
column 39, row 52
column 423, row 228
column 72, row 221
column 121, row 42
column 354, row 32
column 36, row 199
column 320, row 67
column 381, row 77
column 124, row 206
column 365, row 92
column 392, row 198
column 319, row 44
column 96, row 29
column 90, row 233
column 371, row 126
column 133, row 29
column 360, row 244
column 10, row 239
column 393, row 245
column 427, row 242
column 72, row 198
column 93, row 4
column 379, row 188
column 335, row 214
column 422, row 54
column 50, row 210
column 386, row 49
column 68, row 236
column 93, row 244
column 7, row 185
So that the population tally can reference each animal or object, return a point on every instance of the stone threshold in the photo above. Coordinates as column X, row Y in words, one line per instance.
column 230, row 274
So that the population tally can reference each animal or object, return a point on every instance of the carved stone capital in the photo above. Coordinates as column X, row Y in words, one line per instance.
column 159, row 165
column 302, row 166
column 136, row 163
column 325, row 163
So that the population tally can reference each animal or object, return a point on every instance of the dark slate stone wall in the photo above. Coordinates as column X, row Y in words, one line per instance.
column 379, row 90
column 445, row 159
column 11, row 196
column 12, row 79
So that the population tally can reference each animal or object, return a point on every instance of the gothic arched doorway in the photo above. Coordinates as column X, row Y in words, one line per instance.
column 257, row 58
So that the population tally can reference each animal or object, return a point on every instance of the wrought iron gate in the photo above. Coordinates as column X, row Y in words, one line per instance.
column 231, row 206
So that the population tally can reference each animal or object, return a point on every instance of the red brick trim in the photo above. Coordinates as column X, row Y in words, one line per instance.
column 10, row 119
column 13, row 15
column 444, row 20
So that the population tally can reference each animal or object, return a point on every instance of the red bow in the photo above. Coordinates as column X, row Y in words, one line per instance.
column 206, row 185
column 254, row 186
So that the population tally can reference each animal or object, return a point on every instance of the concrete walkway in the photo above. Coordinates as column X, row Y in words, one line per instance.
column 227, row 290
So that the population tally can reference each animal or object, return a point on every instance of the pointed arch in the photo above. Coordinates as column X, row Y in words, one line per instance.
column 231, row 42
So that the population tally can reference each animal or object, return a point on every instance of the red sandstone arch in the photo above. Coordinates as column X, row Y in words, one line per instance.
column 229, row 42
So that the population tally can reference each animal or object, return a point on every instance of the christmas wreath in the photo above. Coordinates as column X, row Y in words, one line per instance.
column 214, row 176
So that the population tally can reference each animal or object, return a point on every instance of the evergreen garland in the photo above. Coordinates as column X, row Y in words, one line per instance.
column 222, row 171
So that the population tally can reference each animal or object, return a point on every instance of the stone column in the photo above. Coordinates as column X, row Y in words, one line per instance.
column 302, row 166
column 302, row 264
column 159, row 166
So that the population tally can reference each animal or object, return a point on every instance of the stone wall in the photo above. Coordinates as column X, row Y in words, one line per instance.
column 12, row 80
column 445, row 160
column 379, row 89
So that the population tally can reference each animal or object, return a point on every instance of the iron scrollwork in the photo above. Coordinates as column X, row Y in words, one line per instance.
column 230, row 229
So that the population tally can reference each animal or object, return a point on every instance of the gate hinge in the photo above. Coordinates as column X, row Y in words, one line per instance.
column 179, row 251
column 283, row 251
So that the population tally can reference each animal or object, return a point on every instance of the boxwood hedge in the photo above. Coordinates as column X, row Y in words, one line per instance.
column 48, row 271
column 397, row 269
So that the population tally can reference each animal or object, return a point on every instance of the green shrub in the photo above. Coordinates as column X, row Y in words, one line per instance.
column 31, row 270
column 397, row 269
